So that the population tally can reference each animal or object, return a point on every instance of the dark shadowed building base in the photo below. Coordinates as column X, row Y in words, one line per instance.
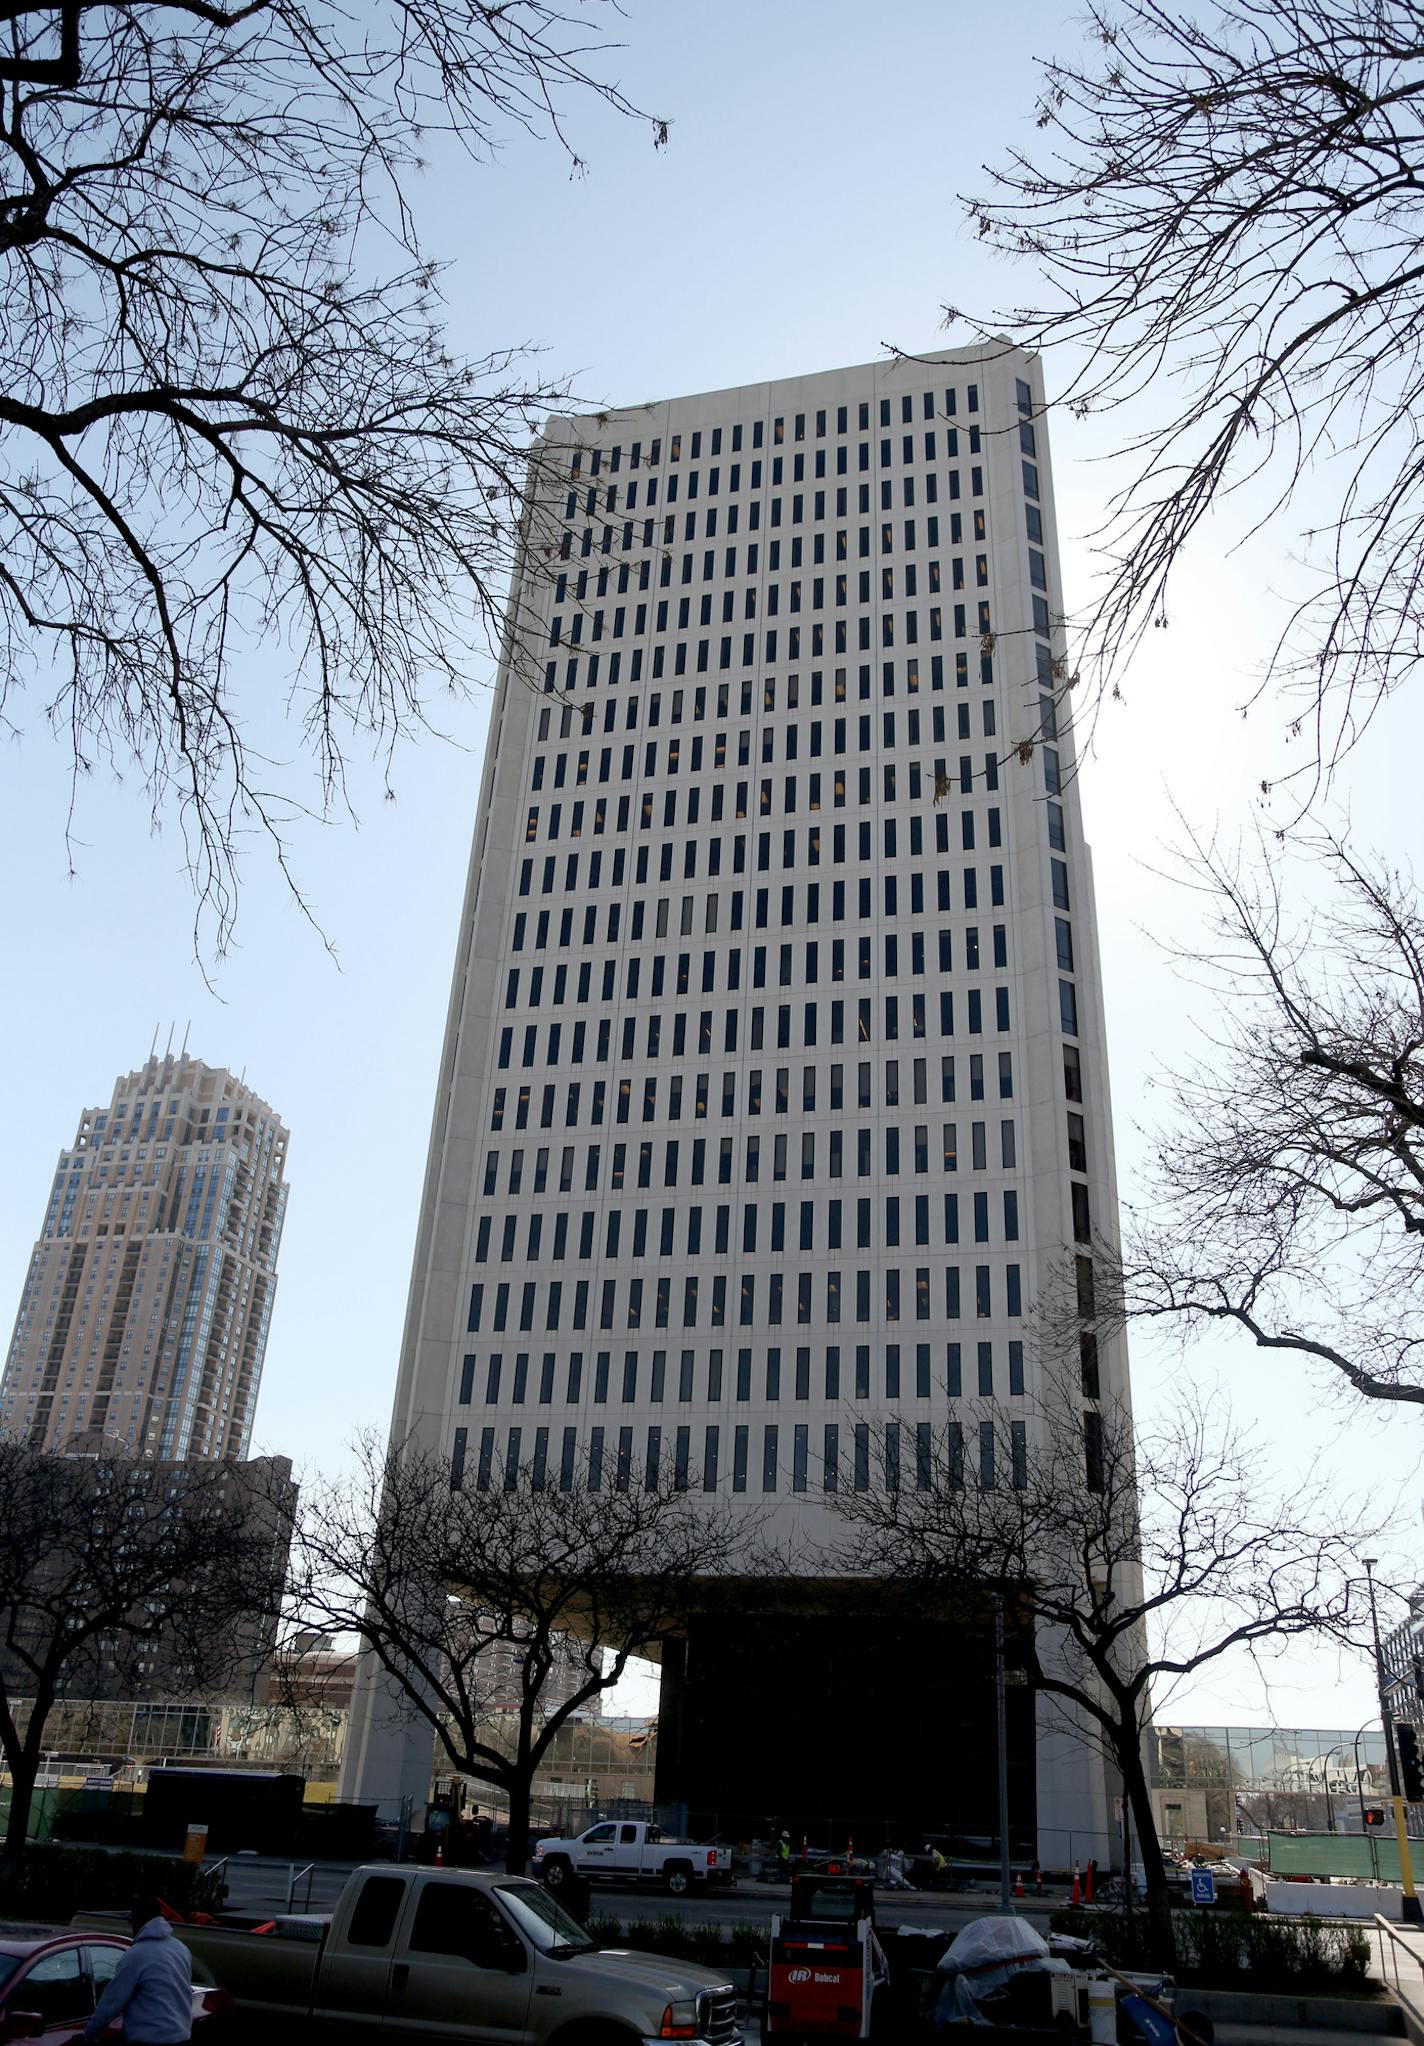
column 854, row 1725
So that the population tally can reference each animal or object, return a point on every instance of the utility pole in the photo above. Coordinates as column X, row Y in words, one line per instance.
column 1006, row 1900
column 1413, row 1914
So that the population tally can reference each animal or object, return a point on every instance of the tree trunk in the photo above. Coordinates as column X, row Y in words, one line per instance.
column 1154, row 1869
column 516, row 1859
column 24, row 1766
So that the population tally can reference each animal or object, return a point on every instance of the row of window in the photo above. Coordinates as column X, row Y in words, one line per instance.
column 918, row 1078
column 911, row 1011
column 919, row 1218
column 821, row 790
column 564, row 1172
column 662, row 917
column 644, row 869
column 902, row 1374
column 585, row 585
column 888, row 451
column 661, row 619
column 723, row 750
column 817, row 644
column 915, row 493
column 846, row 1458
column 713, row 702
column 883, row 1295
column 597, row 1093
column 929, row 402
column 658, row 530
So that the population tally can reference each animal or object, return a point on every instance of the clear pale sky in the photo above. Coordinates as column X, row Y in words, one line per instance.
column 803, row 217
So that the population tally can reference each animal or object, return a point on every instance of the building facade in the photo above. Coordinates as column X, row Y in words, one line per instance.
column 1237, row 1784
column 1402, row 1654
column 773, row 1085
column 147, row 1304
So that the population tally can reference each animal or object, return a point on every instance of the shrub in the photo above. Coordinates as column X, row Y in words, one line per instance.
column 747, row 1944
column 53, row 1882
column 607, row 1931
column 1231, row 1949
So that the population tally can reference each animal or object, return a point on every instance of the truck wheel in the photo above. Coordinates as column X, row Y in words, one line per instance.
column 556, row 1873
column 678, row 1879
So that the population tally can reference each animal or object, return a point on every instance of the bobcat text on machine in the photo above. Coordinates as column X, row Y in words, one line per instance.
column 829, row 1975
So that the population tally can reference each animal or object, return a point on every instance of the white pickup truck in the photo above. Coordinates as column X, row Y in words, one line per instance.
column 631, row 1851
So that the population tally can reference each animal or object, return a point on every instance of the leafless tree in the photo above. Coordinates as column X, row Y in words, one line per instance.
column 1287, row 1198
column 113, row 1570
column 571, row 1574
column 1225, row 205
column 1130, row 1556
column 241, row 462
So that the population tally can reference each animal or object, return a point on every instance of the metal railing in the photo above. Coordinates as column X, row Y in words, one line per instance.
column 1410, row 1999
column 294, row 1876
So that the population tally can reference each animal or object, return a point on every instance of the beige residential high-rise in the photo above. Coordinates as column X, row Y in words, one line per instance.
column 146, row 1307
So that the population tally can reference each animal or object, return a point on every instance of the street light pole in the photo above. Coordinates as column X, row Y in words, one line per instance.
column 1338, row 1749
column 1006, row 1901
column 1413, row 1914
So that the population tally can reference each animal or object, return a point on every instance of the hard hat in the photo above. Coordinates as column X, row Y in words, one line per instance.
column 786, row 1836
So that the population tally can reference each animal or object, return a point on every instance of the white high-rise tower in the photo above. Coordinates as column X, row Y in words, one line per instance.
column 774, row 1080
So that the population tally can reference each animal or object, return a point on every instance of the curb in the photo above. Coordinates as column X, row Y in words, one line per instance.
column 1379, row 2015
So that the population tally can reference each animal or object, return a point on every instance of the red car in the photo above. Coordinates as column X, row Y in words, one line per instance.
column 51, row 1980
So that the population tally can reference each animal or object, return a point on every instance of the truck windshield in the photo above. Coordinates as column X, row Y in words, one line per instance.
column 542, row 1920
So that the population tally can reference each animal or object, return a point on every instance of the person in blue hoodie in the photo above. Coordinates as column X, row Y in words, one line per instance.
column 152, row 1987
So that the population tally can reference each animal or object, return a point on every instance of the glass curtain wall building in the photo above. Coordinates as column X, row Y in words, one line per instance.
column 773, row 1084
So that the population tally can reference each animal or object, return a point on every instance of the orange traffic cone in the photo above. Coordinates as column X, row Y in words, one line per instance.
column 439, row 1853
column 1018, row 1884
column 1037, row 1880
column 1077, row 1896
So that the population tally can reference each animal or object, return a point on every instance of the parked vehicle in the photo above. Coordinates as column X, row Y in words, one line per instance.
column 427, row 1954
column 50, row 1981
column 631, row 1851
column 829, row 1975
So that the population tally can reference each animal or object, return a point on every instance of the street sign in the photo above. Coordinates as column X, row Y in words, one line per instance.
column 98, row 1783
column 1203, row 1886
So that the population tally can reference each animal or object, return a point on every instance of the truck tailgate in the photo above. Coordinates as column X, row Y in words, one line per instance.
column 266, row 1972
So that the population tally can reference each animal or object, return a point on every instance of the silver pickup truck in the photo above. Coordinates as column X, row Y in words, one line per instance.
column 435, row 1954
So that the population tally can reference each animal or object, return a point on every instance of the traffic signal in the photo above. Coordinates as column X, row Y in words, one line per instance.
column 1411, row 1765
column 1374, row 1815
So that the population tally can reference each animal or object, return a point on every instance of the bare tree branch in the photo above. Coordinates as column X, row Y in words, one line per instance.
column 1128, row 1556
column 1287, row 1193
column 233, row 431
column 110, row 1568
column 582, row 1574
column 1226, row 208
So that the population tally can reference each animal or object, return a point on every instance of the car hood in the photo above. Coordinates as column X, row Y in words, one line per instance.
column 662, row 1979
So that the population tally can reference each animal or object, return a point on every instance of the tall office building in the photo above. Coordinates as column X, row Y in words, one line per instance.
column 773, row 1083
column 146, row 1307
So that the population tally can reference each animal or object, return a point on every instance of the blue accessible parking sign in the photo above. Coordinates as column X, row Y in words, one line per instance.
column 1203, row 1886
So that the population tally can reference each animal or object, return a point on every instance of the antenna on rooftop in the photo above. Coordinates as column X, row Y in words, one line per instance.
column 186, row 1028
column 168, row 1048
column 154, row 1046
